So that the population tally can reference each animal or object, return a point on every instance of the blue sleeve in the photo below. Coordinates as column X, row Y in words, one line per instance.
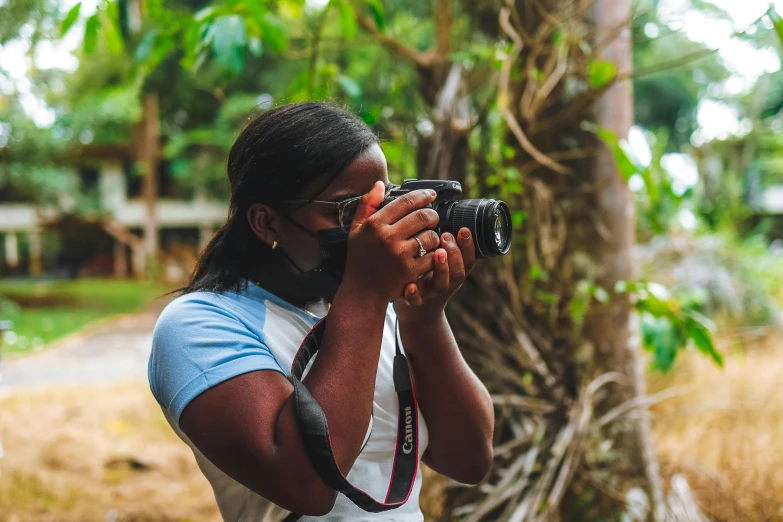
column 197, row 344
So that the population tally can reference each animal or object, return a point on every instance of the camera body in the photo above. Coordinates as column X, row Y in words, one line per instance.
column 488, row 220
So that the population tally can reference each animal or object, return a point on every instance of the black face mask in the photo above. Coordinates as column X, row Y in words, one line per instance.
column 333, row 251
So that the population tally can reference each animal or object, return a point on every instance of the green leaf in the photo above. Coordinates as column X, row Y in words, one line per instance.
column 91, row 33
column 144, row 50
column 703, row 340
column 273, row 33
column 298, row 88
column 229, row 41
column 650, row 185
column 624, row 163
column 163, row 46
column 777, row 22
column 347, row 20
column 601, row 72
column 204, row 14
column 70, row 18
column 376, row 9
column 536, row 273
column 255, row 46
column 577, row 308
column 517, row 218
column 349, row 85
column 111, row 32
column 601, row 295
column 659, row 336
column 512, row 187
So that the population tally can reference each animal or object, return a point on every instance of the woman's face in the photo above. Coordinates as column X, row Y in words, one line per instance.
column 356, row 179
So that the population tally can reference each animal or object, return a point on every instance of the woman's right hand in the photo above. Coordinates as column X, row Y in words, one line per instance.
column 383, row 256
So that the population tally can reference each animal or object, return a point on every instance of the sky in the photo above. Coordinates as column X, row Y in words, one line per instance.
column 716, row 119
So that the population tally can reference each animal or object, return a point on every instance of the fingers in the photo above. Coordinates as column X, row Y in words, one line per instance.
column 468, row 249
column 429, row 241
column 416, row 222
column 405, row 205
column 440, row 283
column 456, row 264
column 368, row 205
column 412, row 295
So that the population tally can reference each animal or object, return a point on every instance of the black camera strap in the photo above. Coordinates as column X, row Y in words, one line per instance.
column 315, row 432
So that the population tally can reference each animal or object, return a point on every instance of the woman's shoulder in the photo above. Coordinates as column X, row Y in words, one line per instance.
column 212, row 306
column 201, row 339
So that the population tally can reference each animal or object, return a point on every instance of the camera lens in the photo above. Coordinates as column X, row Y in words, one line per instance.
column 488, row 220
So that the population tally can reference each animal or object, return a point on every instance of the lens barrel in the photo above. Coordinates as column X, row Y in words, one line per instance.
column 488, row 220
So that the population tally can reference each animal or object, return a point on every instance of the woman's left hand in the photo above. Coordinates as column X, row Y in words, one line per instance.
column 427, row 298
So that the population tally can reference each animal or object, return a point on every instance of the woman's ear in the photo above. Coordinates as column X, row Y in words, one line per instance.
column 264, row 222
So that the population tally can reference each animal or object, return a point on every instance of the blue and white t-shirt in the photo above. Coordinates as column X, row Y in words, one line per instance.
column 202, row 339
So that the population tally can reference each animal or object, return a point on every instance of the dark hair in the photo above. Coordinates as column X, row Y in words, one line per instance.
column 279, row 155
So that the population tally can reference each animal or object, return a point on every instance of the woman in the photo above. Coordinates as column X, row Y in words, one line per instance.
column 222, row 350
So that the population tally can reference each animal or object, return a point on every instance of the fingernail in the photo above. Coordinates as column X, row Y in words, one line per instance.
column 432, row 193
column 410, row 291
column 447, row 237
column 441, row 258
column 465, row 234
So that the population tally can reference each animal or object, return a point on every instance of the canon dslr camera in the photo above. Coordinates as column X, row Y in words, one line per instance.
column 488, row 220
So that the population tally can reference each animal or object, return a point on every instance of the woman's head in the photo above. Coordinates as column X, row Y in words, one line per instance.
column 284, row 158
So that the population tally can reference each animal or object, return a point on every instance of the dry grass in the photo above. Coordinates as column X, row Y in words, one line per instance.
column 106, row 453
column 96, row 454
column 726, row 435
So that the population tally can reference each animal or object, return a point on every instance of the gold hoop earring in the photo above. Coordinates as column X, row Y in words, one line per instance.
column 274, row 245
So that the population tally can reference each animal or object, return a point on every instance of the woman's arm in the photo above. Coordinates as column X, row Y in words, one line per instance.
column 455, row 404
column 247, row 425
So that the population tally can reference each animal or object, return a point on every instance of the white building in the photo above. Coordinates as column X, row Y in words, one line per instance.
column 25, row 227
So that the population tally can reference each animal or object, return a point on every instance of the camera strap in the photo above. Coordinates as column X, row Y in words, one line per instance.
column 315, row 432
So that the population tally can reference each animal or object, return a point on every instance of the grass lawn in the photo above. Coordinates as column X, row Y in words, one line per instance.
column 43, row 311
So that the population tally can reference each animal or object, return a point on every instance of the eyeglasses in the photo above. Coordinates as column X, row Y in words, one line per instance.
column 346, row 208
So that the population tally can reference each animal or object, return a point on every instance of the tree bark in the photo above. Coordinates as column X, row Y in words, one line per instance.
column 612, row 329
column 150, row 155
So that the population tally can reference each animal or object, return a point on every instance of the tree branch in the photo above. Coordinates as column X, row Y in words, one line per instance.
column 503, row 97
column 443, row 21
column 665, row 66
column 421, row 59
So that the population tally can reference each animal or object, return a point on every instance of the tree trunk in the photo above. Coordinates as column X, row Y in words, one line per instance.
column 150, row 155
column 612, row 329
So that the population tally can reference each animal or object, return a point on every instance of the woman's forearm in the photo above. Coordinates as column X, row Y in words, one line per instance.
column 342, row 377
column 454, row 402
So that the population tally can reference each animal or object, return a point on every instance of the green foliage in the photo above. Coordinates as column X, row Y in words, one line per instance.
column 624, row 163
column 376, row 9
column 91, row 33
column 667, row 97
column 777, row 22
column 669, row 324
column 227, row 34
column 65, row 306
column 659, row 204
column 70, row 18
column 601, row 72
column 348, row 24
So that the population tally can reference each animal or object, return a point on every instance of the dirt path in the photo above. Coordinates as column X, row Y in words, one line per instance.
column 113, row 351
column 83, row 440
